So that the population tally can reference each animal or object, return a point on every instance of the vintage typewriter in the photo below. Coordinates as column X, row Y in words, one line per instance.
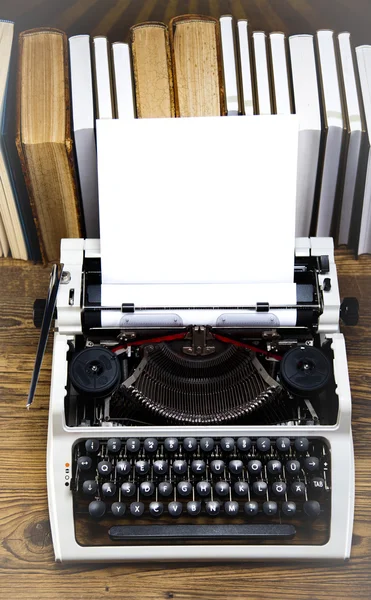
column 168, row 441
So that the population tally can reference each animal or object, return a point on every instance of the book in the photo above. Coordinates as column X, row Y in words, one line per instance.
column 280, row 74
column 197, row 66
column 307, row 107
column 102, row 78
column 248, row 100
column 44, row 137
column 231, row 81
column 83, row 119
column 154, row 92
column 123, row 83
column 335, row 133
column 3, row 239
column 263, row 87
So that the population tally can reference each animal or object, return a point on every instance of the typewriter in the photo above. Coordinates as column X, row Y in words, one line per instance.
column 229, row 441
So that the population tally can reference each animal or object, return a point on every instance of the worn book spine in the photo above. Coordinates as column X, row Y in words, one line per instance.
column 153, row 78
column 197, row 66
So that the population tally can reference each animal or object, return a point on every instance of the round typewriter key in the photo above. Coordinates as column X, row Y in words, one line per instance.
column 160, row 467
column 108, row 489
column 292, row 467
column 298, row 488
column 301, row 444
column 207, row 444
column 311, row 463
column 171, row 444
column 92, row 446
column 279, row 488
column 198, row 466
column 241, row 488
column 137, row 509
column 104, row 468
column 254, row 467
column 274, row 467
column 180, row 467
column 190, row 444
column 95, row 371
column 118, row 509
column 203, row 488
column 283, row 444
column 217, row 467
column 263, row 444
column 123, row 467
column 165, row 488
column 150, row 445
column 312, row 508
column 90, row 487
column 227, row 444
column 175, row 509
column 97, row 508
column 270, row 508
column 84, row 463
column 305, row 370
column 288, row 509
column 235, row 467
column 114, row 445
column 222, row 488
column 132, row 445
column 231, row 508
column 147, row 488
column 244, row 444
column 128, row 488
column 184, row 488
column 142, row 467
column 251, row 508
column 193, row 508
column 212, row 508
column 156, row 509
column 317, row 484
column 259, row 488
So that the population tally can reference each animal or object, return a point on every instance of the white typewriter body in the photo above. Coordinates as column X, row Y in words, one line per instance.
column 61, row 438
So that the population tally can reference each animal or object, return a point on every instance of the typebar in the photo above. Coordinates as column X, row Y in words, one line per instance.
column 191, row 532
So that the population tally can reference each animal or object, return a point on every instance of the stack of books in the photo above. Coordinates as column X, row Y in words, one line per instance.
column 52, row 90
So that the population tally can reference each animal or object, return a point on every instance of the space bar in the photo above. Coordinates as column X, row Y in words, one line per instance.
column 196, row 532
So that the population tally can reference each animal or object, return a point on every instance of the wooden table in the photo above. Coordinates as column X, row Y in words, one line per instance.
column 27, row 567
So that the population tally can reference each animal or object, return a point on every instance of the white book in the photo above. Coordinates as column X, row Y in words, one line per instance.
column 334, row 123
column 245, row 66
column 356, row 130
column 229, row 65
column 307, row 107
column 280, row 73
column 262, row 73
column 124, row 91
column 363, row 54
column 83, row 117
column 102, row 73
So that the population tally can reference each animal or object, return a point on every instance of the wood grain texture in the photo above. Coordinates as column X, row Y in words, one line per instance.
column 27, row 567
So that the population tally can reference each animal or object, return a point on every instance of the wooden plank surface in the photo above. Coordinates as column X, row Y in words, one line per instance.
column 27, row 567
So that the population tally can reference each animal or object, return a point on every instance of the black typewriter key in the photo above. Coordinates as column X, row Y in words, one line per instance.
column 150, row 445
column 263, row 444
column 90, row 487
column 292, row 467
column 241, row 488
column 108, row 489
column 165, row 488
column 171, row 444
column 222, row 488
column 298, row 488
column 180, row 467
column 244, row 444
column 118, row 509
column 227, row 444
column 235, row 467
column 279, row 488
column 212, row 508
column 274, row 467
column 259, row 488
column 104, row 468
column 283, row 444
column 203, row 488
column 156, row 509
column 317, row 484
column 123, row 467
column 251, row 508
column 254, row 467
column 311, row 463
column 137, row 509
column 193, row 508
column 175, row 509
column 301, row 444
column 114, row 445
column 217, row 466
column 207, row 444
column 312, row 509
column 84, row 463
column 128, row 488
column 147, row 488
column 92, row 446
column 160, row 467
column 132, row 445
column 288, row 509
column 198, row 466
column 184, row 488
column 190, row 444
column 142, row 467
column 97, row 509
column 231, row 508
column 270, row 508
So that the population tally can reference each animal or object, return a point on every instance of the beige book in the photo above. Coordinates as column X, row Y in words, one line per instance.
column 3, row 239
column 154, row 94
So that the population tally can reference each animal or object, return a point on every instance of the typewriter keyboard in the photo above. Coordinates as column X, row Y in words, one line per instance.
column 184, row 490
